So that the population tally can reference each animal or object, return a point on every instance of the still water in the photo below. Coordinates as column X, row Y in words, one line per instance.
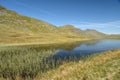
column 89, row 47
column 84, row 48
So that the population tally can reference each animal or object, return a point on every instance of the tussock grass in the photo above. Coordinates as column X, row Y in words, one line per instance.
column 23, row 63
column 105, row 66
column 27, row 62
column 19, row 63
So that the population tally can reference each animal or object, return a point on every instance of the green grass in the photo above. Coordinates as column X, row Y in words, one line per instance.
column 16, row 29
column 28, row 63
column 23, row 63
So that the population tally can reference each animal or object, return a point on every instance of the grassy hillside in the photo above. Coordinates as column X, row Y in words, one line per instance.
column 115, row 36
column 16, row 28
column 105, row 66
column 94, row 33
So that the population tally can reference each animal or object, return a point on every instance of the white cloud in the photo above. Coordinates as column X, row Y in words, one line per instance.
column 109, row 27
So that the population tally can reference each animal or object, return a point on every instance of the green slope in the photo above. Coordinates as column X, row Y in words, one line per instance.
column 94, row 33
column 16, row 28
column 115, row 36
column 90, row 33
column 22, row 23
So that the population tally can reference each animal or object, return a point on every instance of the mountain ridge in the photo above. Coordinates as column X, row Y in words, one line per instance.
column 14, row 26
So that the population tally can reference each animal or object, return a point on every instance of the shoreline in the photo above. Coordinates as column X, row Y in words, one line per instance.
column 100, row 64
column 43, row 43
column 47, row 42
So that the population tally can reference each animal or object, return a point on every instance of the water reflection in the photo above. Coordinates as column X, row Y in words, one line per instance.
column 80, row 49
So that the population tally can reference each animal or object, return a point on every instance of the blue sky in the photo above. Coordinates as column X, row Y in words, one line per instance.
column 102, row 15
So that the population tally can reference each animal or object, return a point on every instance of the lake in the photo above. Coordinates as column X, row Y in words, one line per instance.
column 70, row 50
column 88, row 47
column 27, row 61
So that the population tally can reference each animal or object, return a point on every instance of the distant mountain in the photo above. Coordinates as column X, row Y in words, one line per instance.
column 117, row 36
column 71, row 28
column 88, row 32
column 94, row 33
column 14, row 26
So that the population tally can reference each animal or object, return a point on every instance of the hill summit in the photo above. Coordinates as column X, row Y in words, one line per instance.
column 16, row 28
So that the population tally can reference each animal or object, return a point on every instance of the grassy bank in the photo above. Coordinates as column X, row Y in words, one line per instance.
column 20, row 63
column 25, row 63
column 105, row 66
column 48, row 42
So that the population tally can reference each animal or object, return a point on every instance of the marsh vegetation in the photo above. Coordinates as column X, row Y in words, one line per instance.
column 42, row 62
column 105, row 66
column 26, row 63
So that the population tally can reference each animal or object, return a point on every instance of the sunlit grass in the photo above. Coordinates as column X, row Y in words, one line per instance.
column 105, row 66
column 24, row 63
column 40, row 38
column 29, row 63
